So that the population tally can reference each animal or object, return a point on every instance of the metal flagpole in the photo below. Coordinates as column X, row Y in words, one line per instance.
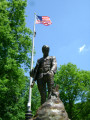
column 29, row 115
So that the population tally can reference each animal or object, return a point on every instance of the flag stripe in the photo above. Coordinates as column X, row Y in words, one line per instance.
column 45, row 20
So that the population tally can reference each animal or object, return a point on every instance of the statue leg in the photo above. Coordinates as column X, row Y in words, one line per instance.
column 42, row 89
column 50, row 84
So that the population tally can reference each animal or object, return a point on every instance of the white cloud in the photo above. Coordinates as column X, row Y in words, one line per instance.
column 82, row 48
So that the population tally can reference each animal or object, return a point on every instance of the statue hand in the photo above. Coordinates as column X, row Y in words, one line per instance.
column 32, row 84
column 32, row 73
column 50, row 73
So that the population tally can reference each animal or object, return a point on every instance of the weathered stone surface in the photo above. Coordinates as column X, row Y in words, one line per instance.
column 52, row 109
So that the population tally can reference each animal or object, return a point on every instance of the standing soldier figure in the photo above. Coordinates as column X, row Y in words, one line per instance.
column 44, row 73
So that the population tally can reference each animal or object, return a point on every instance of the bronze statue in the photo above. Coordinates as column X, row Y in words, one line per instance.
column 44, row 73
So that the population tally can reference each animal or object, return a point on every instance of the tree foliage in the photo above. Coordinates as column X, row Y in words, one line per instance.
column 15, row 46
column 74, row 87
column 36, row 99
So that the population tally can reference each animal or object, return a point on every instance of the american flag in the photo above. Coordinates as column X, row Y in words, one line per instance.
column 45, row 20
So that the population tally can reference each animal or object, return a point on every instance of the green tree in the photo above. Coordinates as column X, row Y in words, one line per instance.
column 84, row 106
column 36, row 99
column 82, row 111
column 73, row 86
column 15, row 49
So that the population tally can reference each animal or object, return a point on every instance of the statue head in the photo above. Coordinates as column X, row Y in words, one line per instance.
column 45, row 50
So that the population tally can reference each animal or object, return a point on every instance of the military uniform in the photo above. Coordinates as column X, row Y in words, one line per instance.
column 45, row 70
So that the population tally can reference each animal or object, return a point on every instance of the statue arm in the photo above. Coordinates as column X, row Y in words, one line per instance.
column 33, row 72
column 54, row 65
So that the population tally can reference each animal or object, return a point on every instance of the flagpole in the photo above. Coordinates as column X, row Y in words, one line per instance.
column 30, row 89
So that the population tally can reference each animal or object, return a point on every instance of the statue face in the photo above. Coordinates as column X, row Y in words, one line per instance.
column 45, row 52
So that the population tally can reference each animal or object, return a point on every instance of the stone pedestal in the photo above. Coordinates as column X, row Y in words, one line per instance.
column 52, row 109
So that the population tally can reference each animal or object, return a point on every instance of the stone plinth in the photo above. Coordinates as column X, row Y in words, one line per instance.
column 52, row 109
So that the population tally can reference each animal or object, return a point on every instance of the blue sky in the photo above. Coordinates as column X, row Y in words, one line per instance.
column 69, row 34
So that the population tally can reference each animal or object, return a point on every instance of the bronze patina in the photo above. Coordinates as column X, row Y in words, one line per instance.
column 44, row 72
